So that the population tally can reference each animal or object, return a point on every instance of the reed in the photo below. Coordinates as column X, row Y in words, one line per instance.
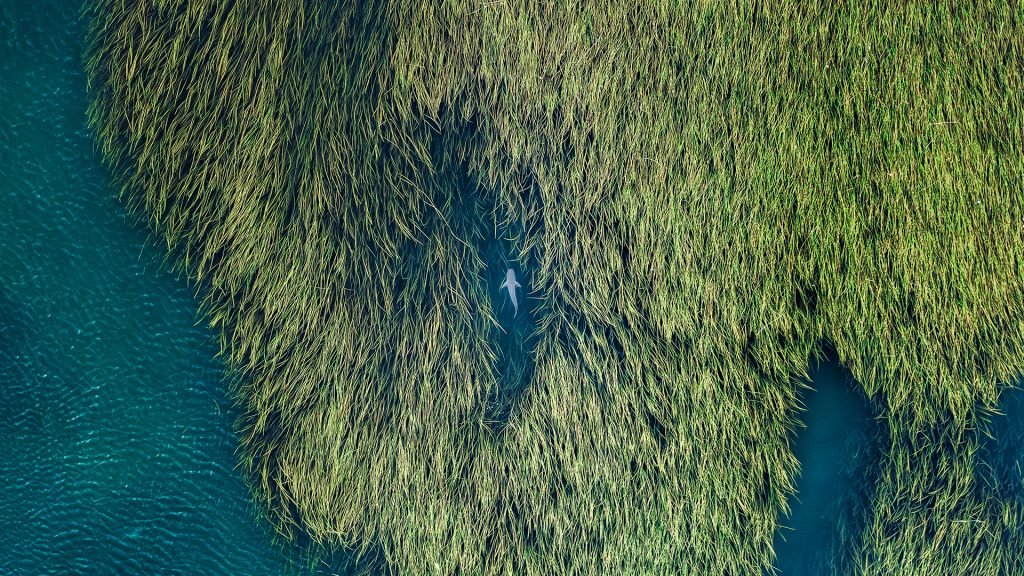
column 700, row 195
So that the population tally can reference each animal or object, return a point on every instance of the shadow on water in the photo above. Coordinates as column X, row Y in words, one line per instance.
column 1002, row 446
column 835, row 451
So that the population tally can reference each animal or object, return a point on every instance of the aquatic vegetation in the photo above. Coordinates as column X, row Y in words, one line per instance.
column 702, row 196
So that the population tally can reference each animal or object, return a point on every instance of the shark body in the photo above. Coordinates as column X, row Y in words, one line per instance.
column 511, row 285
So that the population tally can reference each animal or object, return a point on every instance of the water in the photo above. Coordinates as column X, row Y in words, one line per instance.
column 116, row 447
column 1003, row 444
column 835, row 450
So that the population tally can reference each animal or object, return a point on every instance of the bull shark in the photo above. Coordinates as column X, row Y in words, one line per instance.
column 511, row 285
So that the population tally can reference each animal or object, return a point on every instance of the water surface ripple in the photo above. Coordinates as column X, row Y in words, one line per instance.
column 117, row 454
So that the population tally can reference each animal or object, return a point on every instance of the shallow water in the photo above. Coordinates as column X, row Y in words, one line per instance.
column 835, row 450
column 1003, row 444
column 117, row 454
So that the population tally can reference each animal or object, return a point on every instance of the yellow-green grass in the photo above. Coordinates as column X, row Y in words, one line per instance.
column 703, row 194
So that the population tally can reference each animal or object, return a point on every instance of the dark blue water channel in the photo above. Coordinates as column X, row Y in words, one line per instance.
column 836, row 450
column 117, row 454
column 1002, row 444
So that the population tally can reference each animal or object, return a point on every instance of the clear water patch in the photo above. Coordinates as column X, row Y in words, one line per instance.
column 1002, row 444
column 514, row 337
column 836, row 450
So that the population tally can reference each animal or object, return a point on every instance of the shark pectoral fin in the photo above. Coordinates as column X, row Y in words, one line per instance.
column 515, row 284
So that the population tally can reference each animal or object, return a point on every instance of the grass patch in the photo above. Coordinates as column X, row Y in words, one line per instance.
column 697, row 194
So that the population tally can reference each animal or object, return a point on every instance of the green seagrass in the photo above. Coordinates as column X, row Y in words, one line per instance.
column 700, row 195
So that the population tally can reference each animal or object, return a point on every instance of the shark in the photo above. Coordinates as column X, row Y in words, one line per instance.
column 511, row 285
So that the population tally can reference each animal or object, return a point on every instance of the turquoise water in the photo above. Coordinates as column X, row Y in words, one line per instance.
column 117, row 454
column 835, row 449
column 1002, row 448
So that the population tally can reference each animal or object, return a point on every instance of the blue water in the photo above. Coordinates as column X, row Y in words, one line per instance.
column 1002, row 444
column 836, row 450
column 117, row 454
